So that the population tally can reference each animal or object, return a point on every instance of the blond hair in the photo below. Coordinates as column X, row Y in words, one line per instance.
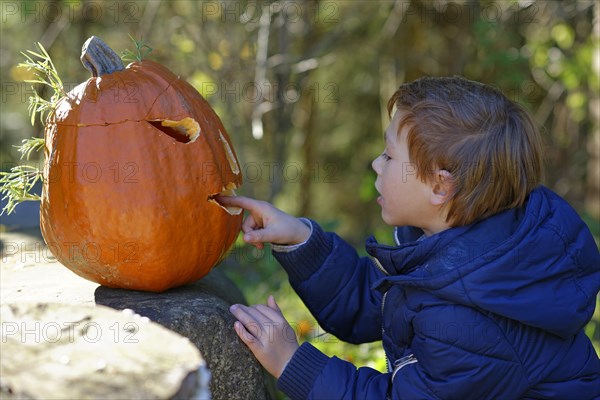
column 489, row 144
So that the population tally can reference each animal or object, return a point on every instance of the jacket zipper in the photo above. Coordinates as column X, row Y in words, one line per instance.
column 380, row 267
column 403, row 362
column 387, row 360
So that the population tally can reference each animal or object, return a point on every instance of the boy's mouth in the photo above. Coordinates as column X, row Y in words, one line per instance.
column 380, row 197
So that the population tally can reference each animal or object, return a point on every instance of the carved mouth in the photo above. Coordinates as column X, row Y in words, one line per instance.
column 228, row 190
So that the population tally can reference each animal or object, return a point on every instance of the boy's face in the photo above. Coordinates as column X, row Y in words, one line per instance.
column 404, row 198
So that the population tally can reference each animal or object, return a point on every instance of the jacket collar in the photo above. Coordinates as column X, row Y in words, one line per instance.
column 439, row 253
column 415, row 250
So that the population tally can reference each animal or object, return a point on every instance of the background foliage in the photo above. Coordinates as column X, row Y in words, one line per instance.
column 301, row 87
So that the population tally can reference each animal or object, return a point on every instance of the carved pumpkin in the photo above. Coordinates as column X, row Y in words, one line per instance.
column 134, row 159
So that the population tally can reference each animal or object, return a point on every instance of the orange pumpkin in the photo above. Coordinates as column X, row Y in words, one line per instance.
column 134, row 159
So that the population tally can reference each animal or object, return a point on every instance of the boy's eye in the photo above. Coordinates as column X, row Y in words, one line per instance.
column 386, row 157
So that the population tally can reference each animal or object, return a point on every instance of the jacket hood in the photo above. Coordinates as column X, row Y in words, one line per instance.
column 537, row 264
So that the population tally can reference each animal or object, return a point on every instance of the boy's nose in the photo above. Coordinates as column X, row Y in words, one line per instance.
column 375, row 164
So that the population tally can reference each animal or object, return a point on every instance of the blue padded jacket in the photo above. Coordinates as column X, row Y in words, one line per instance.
column 492, row 310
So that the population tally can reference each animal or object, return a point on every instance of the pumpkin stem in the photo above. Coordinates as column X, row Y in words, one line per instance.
column 98, row 58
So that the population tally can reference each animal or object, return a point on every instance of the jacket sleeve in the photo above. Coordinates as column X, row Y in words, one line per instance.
column 335, row 284
column 458, row 353
column 310, row 374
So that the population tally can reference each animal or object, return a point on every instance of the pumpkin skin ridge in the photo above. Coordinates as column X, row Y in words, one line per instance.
column 156, row 273
column 158, row 97
column 147, row 64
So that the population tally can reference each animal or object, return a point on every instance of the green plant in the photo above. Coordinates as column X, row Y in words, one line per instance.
column 46, row 75
column 17, row 184
column 140, row 52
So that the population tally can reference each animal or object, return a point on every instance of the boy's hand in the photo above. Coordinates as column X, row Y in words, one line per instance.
column 264, row 329
column 266, row 223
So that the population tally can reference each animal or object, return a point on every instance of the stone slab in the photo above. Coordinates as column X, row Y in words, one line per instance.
column 200, row 311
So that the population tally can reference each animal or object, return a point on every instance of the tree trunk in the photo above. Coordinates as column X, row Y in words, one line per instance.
column 592, row 184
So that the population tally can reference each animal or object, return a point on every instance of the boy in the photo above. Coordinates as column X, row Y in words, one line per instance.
column 490, row 284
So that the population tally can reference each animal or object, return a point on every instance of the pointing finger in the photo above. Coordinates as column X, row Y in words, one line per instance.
column 239, row 201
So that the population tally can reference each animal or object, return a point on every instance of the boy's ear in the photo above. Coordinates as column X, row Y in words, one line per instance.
column 442, row 187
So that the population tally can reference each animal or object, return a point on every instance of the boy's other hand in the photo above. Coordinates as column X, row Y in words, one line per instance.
column 267, row 223
column 265, row 331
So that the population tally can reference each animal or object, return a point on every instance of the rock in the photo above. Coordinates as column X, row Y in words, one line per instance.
column 66, row 351
column 200, row 312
